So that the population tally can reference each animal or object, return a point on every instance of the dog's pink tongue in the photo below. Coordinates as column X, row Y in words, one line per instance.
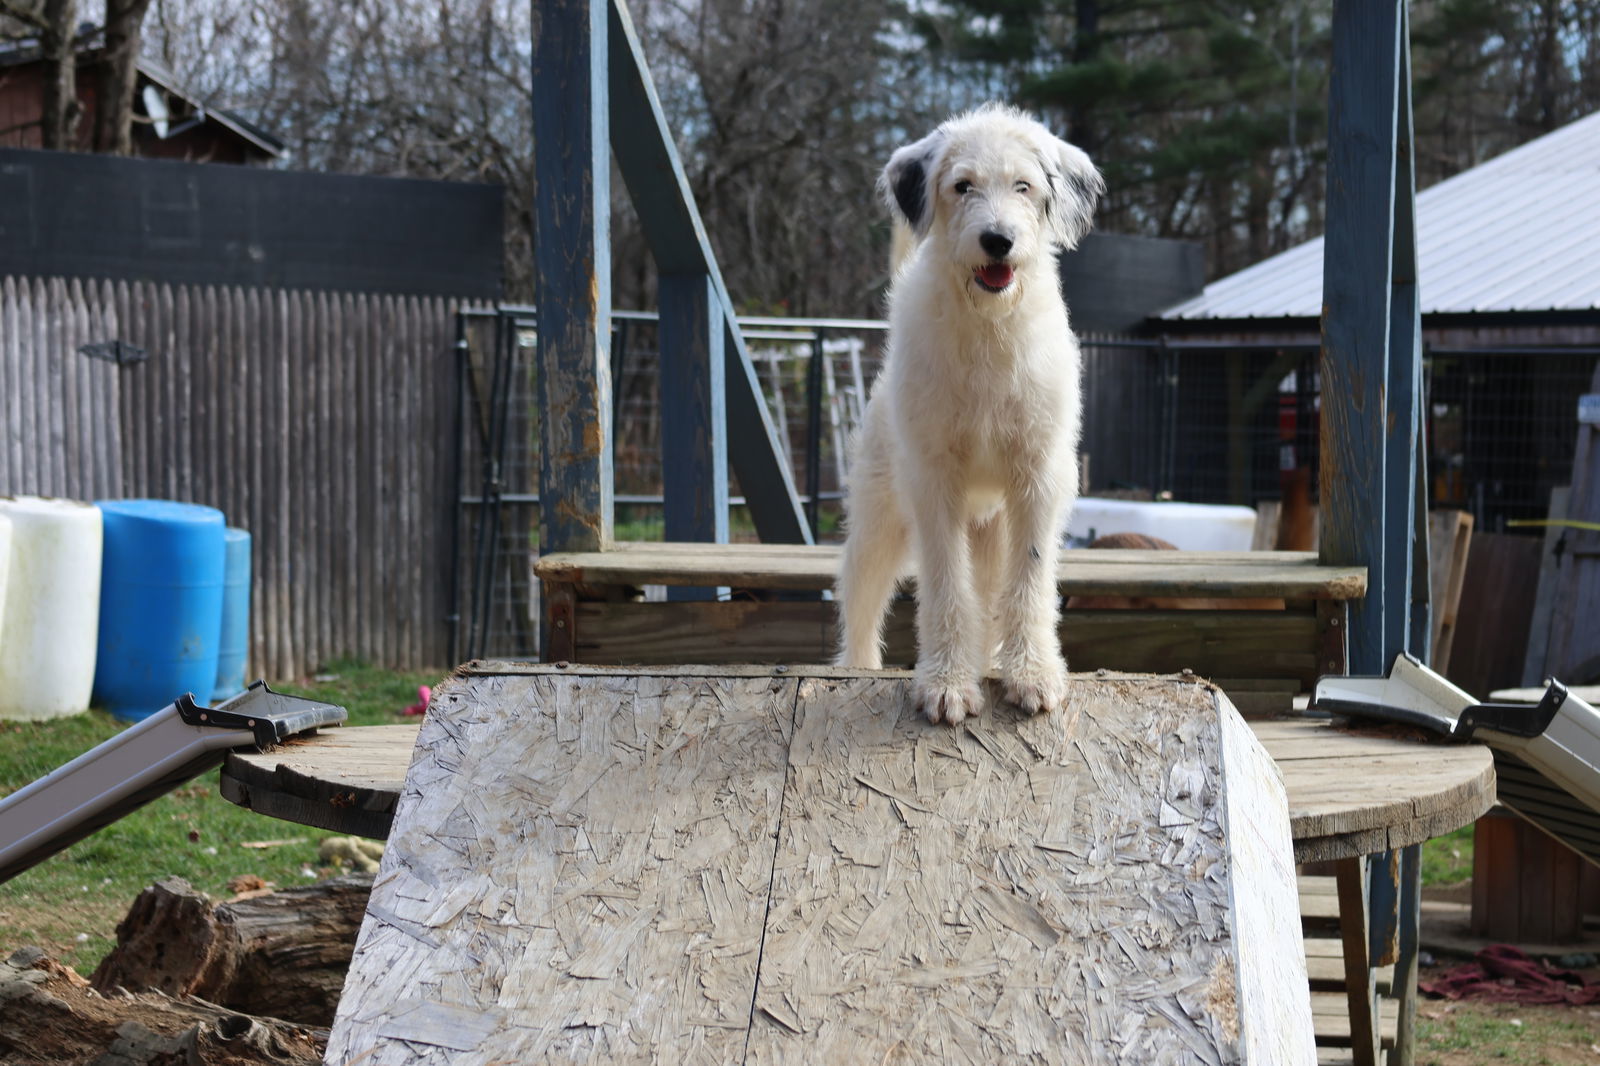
column 995, row 275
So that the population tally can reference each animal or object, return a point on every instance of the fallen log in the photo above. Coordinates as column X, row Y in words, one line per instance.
column 282, row 954
column 51, row 1015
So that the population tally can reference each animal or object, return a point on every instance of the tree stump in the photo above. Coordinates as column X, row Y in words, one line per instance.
column 283, row 954
column 49, row 1016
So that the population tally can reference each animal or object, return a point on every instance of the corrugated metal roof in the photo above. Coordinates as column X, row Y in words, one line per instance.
column 1518, row 233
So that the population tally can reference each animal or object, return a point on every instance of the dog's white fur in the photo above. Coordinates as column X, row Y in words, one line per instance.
column 967, row 457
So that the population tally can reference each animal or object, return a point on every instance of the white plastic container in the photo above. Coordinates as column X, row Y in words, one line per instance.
column 1189, row 526
column 5, row 561
column 49, row 627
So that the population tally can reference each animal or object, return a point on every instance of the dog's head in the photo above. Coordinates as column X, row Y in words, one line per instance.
column 995, row 194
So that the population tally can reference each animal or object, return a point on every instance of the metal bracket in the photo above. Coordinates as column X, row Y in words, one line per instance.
column 114, row 351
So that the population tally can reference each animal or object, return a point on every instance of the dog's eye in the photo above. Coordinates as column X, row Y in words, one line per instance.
column 963, row 187
column 1022, row 186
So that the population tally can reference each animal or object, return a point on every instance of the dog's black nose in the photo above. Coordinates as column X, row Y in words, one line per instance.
column 996, row 244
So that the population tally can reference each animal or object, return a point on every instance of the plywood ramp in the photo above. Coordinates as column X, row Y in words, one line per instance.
column 792, row 866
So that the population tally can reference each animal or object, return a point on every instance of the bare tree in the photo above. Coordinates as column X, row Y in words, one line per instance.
column 119, row 68
column 54, row 24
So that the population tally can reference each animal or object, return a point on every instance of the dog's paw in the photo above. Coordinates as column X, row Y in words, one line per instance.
column 948, row 701
column 1038, row 689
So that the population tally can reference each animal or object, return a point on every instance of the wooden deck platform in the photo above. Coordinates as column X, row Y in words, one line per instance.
column 794, row 866
column 1216, row 575
column 1201, row 611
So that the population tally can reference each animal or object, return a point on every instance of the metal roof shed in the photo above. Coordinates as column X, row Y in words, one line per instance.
column 1519, row 234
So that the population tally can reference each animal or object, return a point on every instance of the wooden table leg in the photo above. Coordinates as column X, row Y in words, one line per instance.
column 1405, row 968
column 561, row 636
column 1350, row 875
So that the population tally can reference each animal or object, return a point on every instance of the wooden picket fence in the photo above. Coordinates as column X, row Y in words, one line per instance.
column 320, row 422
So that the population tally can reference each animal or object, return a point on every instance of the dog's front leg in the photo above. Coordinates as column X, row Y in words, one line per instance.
column 949, row 628
column 1032, row 668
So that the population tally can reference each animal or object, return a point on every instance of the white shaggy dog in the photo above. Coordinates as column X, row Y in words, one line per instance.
column 967, row 458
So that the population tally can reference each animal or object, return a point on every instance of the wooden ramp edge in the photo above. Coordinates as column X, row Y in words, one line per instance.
column 744, row 866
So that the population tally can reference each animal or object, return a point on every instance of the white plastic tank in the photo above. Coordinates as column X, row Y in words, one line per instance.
column 5, row 560
column 49, row 627
column 1189, row 526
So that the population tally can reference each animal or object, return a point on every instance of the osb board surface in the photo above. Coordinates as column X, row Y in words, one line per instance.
column 593, row 868
column 1351, row 792
column 580, row 872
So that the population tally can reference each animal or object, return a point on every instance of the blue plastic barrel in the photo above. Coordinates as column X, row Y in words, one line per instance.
column 160, row 604
column 234, row 646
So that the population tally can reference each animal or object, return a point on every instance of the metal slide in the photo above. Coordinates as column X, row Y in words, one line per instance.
column 144, row 761
column 1546, row 755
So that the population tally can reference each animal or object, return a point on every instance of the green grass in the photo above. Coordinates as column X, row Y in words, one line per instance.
column 70, row 904
column 1505, row 1032
column 1447, row 860
column 640, row 522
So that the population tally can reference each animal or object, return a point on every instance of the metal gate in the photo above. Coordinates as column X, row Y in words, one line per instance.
column 497, row 479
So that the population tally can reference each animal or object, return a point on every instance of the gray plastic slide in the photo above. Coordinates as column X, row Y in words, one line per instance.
column 1546, row 755
column 144, row 761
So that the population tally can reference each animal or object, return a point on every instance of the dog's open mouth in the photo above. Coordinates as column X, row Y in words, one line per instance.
column 993, row 277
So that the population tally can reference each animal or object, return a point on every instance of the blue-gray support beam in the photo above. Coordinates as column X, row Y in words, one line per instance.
column 572, row 275
column 1368, row 414
column 694, row 442
column 672, row 226
column 1405, row 473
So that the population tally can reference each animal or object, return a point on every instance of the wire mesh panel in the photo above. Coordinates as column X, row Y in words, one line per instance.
column 1503, row 428
column 497, row 596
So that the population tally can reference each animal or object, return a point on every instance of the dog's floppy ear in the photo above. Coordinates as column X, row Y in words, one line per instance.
column 1075, row 189
column 907, row 181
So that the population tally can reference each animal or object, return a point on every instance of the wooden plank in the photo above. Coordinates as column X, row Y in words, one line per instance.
column 1268, row 953
column 1450, row 539
column 1325, row 963
column 1265, row 534
column 1331, row 1016
column 1263, row 644
column 1359, row 526
column 622, row 931
column 1242, row 575
column 1256, row 698
column 758, row 552
column 572, row 275
column 1496, row 611
column 1533, row 670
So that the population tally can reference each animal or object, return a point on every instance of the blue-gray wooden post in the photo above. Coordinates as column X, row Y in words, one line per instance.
column 1370, row 330
column 1406, row 470
column 694, row 439
column 695, row 302
column 572, row 275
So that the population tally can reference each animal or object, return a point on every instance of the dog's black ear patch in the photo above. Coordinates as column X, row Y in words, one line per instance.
column 1087, row 188
column 911, row 191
